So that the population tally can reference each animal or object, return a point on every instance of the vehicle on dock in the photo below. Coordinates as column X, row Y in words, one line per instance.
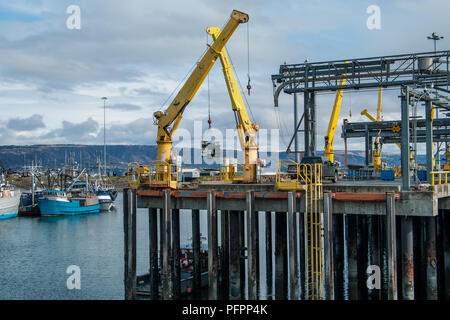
column 56, row 202
column 330, row 170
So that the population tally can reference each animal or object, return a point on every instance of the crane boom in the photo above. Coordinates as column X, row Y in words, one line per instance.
column 173, row 113
column 246, row 129
column 329, row 138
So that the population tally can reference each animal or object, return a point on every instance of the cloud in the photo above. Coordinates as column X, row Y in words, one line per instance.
column 123, row 107
column 28, row 124
column 136, row 56
column 83, row 132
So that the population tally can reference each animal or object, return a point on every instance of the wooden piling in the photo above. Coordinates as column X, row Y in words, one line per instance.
column 362, row 247
column 440, row 254
column 168, row 293
column 293, row 254
column 419, row 256
column 129, row 227
column 243, row 252
column 252, row 251
column 339, row 259
column 391, row 246
column 225, row 257
column 352, row 256
column 153, row 246
column 328, row 245
column 235, row 253
column 269, row 255
column 161, row 242
column 407, row 259
column 212, row 247
column 398, row 234
column 196, row 268
column 374, row 256
column 431, row 265
column 302, row 257
column 176, row 253
column 258, row 272
column 446, row 250
column 281, row 269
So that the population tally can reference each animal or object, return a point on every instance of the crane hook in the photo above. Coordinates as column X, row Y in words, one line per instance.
column 249, row 87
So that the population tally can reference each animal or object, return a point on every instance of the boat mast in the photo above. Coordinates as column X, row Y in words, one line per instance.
column 104, row 133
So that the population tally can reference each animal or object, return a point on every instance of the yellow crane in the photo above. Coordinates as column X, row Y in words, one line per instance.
column 246, row 129
column 377, row 148
column 162, row 172
column 329, row 137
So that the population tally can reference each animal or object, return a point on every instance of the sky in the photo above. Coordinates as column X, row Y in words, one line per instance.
column 137, row 52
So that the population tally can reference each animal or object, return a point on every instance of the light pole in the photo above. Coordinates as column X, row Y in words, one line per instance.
column 435, row 37
column 104, row 134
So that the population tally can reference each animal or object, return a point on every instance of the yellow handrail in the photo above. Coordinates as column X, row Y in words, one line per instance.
column 159, row 174
column 232, row 172
column 439, row 174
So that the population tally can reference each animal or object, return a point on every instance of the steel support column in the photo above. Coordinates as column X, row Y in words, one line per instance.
column 429, row 139
column 405, row 139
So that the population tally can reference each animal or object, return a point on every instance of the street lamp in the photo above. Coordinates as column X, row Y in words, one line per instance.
column 104, row 134
column 435, row 37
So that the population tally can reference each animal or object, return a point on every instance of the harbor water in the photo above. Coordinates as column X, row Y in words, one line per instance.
column 35, row 253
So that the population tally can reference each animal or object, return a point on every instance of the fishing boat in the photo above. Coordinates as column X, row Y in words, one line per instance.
column 57, row 202
column 186, row 272
column 105, row 191
column 105, row 200
column 9, row 201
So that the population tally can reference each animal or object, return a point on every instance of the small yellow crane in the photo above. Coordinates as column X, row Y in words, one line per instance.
column 163, row 173
column 329, row 137
column 246, row 129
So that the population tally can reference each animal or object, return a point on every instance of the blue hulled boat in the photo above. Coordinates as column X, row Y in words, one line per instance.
column 56, row 202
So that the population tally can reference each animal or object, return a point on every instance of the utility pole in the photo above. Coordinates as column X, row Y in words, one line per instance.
column 435, row 37
column 104, row 134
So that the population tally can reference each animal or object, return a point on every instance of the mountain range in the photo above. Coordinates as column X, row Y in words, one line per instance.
column 13, row 157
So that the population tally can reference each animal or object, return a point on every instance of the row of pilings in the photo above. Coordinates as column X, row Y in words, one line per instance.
column 372, row 257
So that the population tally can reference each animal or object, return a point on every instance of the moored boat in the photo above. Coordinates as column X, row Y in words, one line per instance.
column 56, row 202
column 104, row 198
column 9, row 202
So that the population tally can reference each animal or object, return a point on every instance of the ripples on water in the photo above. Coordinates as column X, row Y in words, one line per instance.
column 35, row 253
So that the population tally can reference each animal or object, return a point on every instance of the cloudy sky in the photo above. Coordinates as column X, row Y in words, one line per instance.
column 136, row 53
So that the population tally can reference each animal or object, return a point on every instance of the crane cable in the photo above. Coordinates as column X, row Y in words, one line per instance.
column 209, row 95
column 249, row 87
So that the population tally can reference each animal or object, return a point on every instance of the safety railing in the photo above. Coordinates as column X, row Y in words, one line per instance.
column 293, row 176
column 133, row 175
column 159, row 174
column 308, row 177
column 440, row 176
column 232, row 172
